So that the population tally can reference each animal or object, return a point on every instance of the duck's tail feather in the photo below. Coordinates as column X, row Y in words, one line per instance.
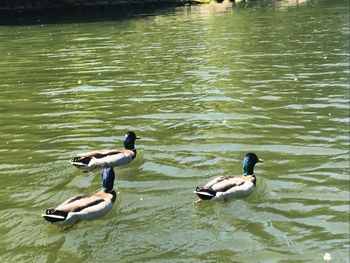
column 205, row 194
column 53, row 215
column 81, row 160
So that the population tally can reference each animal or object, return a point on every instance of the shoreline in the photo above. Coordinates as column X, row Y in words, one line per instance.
column 41, row 11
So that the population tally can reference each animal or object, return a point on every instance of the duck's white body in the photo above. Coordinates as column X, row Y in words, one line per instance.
column 103, row 158
column 80, row 208
column 228, row 187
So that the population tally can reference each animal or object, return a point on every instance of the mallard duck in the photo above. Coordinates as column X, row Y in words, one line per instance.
column 107, row 158
column 227, row 187
column 82, row 207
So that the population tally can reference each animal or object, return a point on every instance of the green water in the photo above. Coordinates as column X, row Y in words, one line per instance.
column 202, row 86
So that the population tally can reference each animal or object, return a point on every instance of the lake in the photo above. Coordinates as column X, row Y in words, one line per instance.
column 201, row 86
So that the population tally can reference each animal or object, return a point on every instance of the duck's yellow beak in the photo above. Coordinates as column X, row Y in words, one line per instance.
column 138, row 137
column 261, row 160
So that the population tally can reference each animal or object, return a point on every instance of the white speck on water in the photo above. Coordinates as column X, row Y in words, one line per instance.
column 327, row 257
column 141, row 198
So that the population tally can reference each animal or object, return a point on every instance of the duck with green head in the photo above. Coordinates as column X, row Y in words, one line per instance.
column 83, row 207
column 228, row 187
column 108, row 158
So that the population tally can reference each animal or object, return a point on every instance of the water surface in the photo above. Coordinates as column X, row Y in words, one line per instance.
column 202, row 86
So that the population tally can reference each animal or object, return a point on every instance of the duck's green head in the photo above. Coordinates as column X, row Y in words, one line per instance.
column 249, row 161
column 129, row 140
column 108, row 177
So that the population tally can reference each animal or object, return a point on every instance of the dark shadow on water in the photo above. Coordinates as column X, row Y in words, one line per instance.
column 123, row 10
column 82, row 14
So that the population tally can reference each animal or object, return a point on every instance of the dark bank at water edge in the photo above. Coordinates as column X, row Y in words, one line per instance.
column 38, row 11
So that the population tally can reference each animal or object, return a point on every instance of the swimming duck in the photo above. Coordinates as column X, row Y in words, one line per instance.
column 107, row 158
column 82, row 207
column 227, row 187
